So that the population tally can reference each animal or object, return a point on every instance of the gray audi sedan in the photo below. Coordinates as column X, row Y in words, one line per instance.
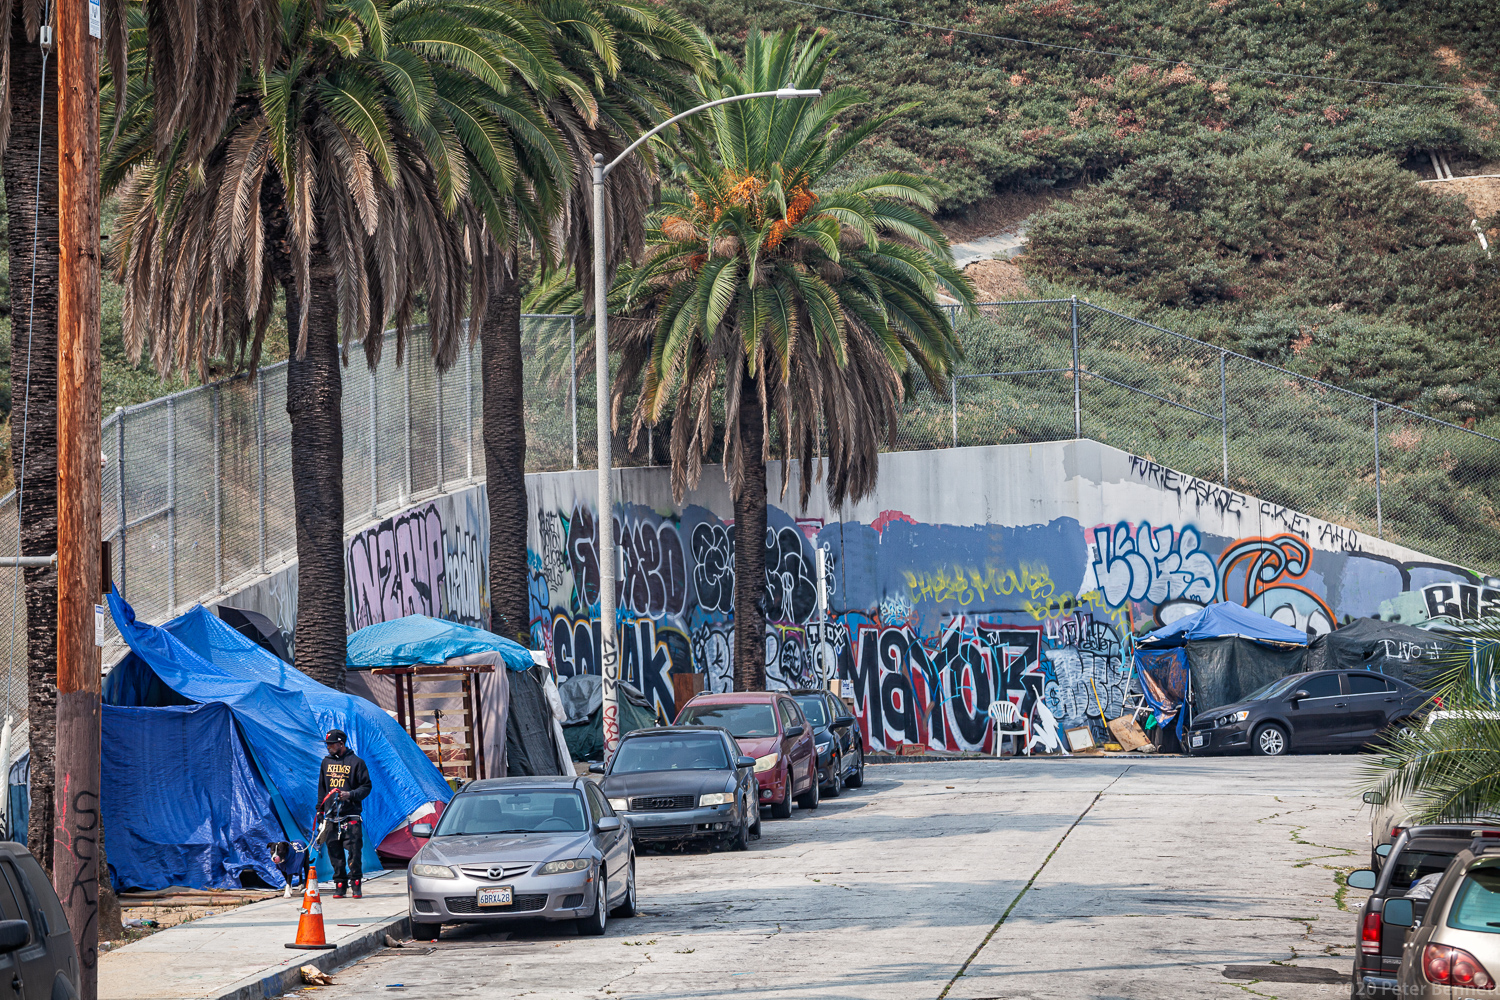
column 548, row 848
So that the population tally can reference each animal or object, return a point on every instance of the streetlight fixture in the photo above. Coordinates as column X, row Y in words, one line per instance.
column 609, row 656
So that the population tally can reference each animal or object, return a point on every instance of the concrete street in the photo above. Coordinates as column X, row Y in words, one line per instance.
column 1096, row 878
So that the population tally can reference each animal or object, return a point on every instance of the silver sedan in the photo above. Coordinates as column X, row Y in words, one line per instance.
column 507, row 849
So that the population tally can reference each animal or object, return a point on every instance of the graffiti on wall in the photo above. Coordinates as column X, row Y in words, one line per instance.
column 430, row 560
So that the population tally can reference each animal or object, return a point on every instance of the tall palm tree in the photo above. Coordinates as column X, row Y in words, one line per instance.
column 636, row 59
column 208, row 41
column 345, row 176
column 809, row 302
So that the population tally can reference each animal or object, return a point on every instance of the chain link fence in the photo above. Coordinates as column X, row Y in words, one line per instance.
column 197, row 486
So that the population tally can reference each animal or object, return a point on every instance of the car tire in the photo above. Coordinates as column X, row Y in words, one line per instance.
column 1269, row 740
column 809, row 799
column 425, row 932
column 741, row 840
column 837, row 770
column 857, row 779
column 755, row 817
column 595, row 924
column 627, row 905
column 783, row 809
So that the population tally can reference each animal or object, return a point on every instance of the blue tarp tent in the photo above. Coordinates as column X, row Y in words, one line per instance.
column 282, row 715
column 181, row 801
column 1221, row 621
column 419, row 639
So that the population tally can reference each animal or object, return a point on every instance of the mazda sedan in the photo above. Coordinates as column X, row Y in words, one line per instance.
column 523, row 848
column 679, row 784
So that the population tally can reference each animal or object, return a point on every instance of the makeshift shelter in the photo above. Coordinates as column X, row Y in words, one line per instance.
column 257, row 628
column 280, row 716
column 582, row 697
column 1409, row 654
column 1229, row 652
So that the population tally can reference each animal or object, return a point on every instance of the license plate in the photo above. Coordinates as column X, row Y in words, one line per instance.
column 1199, row 739
column 500, row 895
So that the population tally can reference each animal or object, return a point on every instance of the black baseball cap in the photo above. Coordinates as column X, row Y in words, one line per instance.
column 335, row 736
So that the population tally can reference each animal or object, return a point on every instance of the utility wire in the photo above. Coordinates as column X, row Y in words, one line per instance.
column 1229, row 67
column 36, row 209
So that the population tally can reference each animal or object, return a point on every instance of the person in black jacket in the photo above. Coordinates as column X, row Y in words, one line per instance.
column 346, row 775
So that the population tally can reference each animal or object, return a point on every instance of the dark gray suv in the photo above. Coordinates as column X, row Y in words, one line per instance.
column 37, row 956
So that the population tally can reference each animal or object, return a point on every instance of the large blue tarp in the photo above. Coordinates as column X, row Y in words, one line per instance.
column 1220, row 621
column 419, row 639
column 181, row 801
column 283, row 715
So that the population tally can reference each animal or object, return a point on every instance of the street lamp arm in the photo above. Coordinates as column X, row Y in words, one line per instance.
column 785, row 93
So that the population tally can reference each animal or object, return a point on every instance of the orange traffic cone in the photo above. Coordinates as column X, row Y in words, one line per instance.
column 310, row 936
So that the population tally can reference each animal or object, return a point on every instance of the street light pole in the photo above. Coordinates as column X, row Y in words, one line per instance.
column 609, row 655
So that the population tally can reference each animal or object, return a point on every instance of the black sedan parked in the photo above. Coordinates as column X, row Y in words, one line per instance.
column 1319, row 710
column 683, row 783
column 841, row 748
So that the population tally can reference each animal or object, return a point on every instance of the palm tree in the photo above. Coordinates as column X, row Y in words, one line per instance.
column 1450, row 772
column 346, row 176
column 206, row 42
column 809, row 301
column 637, row 59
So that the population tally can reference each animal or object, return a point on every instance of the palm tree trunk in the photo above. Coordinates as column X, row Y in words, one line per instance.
column 314, row 396
column 34, row 331
column 505, row 460
column 750, row 547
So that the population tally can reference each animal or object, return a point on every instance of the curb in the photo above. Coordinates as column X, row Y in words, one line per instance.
column 289, row 977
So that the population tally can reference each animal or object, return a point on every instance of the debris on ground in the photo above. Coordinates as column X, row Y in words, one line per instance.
column 313, row 976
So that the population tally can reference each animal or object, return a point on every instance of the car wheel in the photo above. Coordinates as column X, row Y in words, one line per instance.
column 1269, row 740
column 857, row 778
column 837, row 770
column 755, row 815
column 627, row 905
column 741, row 840
column 594, row 925
column 809, row 798
column 425, row 932
column 783, row 809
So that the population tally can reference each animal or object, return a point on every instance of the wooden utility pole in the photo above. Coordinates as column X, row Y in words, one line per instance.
column 75, row 870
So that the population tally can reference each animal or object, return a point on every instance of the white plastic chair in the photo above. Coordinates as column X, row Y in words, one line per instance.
column 1010, row 722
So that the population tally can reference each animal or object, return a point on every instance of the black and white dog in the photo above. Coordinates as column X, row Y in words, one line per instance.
column 291, row 860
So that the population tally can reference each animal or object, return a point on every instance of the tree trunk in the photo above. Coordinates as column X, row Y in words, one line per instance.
column 39, row 424
column 750, row 547
column 314, row 395
column 505, row 460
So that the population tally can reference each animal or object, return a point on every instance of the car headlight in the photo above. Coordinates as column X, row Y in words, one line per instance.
column 767, row 762
column 558, row 867
column 716, row 799
column 1234, row 717
column 432, row 871
column 623, row 805
column 824, row 745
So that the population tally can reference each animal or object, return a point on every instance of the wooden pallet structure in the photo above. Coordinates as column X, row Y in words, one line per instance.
column 438, row 705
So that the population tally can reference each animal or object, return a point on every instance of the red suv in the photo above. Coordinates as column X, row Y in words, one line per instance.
column 771, row 728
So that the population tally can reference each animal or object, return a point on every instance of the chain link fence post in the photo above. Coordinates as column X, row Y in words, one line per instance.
column 218, row 499
column 1224, row 414
column 260, row 447
column 406, row 400
column 1077, row 385
column 469, row 413
column 120, row 486
column 437, row 378
column 171, row 509
column 573, row 382
column 374, row 446
column 1375, row 423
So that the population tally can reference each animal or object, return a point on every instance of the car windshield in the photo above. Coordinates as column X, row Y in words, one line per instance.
column 1274, row 689
column 1412, row 865
column 1477, row 907
column 520, row 810
column 813, row 708
column 740, row 720
column 670, row 753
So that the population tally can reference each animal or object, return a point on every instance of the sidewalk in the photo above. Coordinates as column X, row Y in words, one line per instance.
column 242, row 954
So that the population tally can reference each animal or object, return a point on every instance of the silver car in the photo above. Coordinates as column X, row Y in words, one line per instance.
column 1452, row 950
column 510, row 849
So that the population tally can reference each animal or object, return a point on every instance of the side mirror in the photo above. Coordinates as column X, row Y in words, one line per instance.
column 745, row 762
column 795, row 731
column 1374, row 799
column 608, row 824
column 1384, row 850
column 422, row 831
column 1363, row 878
column 1399, row 912
column 843, row 721
column 14, row 935
column 1299, row 694
column 597, row 767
